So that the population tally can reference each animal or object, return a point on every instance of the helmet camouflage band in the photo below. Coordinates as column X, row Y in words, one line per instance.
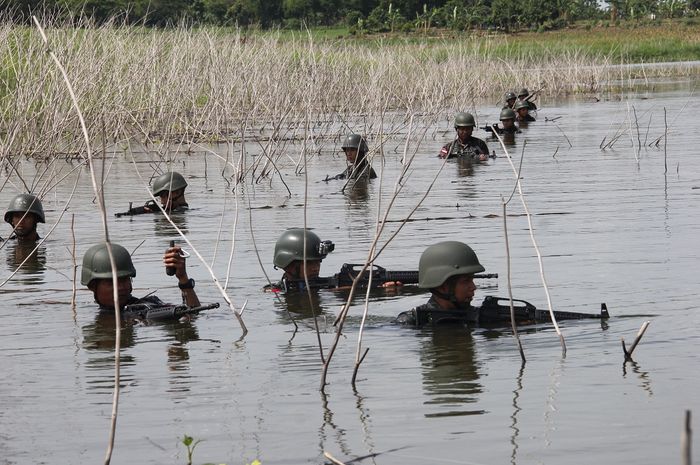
column 170, row 181
column 523, row 93
column 441, row 261
column 290, row 247
column 520, row 104
column 509, row 96
column 24, row 203
column 96, row 264
column 507, row 113
column 464, row 119
column 355, row 141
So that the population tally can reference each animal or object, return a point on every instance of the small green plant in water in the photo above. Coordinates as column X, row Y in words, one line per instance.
column 190, row 443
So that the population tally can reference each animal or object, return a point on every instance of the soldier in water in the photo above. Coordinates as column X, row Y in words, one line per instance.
column 465, row 145
column 289, row 256
column 23, row 214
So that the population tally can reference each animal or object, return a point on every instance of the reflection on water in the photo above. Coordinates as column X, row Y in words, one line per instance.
column 163, row 228
column 450, row 370
column 32, row 271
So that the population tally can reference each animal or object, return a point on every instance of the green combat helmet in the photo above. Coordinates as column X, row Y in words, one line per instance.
column 290, row 247
column 464, row 119
column 509, row 96
column 520, row 104
column 170, row 181
column 441, row 261
column 507, row 113
column 96, row 264
column 355, row 141
column 24, row 203
column 523, row 93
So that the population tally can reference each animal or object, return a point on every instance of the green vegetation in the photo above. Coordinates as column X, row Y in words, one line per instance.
column 363, row 16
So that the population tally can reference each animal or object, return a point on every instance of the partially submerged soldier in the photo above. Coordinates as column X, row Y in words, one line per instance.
column 23, row 214
column 355, row 148
column 509, row 99
column 289, row 256
column 97, row 276
column 170, row 187
column 447, row 270
column 522, row 110
column 525, row 96
column 465, row 145
column 507, row 118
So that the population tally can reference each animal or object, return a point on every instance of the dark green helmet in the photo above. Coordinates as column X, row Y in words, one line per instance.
column 24, row 203
column 521, row 104
column 170, row 181
column 464, row 119
column 523, row 93
column 507, row 113
column 509, row 96
column 355, row 141
column 290, row 247
column 441, row 261
column 96, row 264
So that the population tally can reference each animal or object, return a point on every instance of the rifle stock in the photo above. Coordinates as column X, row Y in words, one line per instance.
column 163, row 312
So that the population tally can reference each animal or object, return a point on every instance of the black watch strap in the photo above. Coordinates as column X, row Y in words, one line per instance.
column 188, row 285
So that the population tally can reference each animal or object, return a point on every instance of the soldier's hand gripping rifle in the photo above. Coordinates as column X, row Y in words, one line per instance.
column 148, row 207
column 349, row 271
column 152, row 312
column 493, row 312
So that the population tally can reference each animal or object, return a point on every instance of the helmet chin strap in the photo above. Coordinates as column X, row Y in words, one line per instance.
column 450, row 295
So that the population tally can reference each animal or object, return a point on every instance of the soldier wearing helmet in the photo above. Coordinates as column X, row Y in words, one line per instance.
column 522, row 110
column 97, row 276
column 293, row 245
column 23, row 214
column 525, row 96
column 465, row 145
column 509, row 98
column 170, row 187
column 447, row 270
column 355, row 148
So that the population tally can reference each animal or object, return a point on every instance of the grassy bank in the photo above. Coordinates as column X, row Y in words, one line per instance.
column 208, row 84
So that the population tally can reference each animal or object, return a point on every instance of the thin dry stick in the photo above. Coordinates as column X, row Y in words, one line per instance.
column 665, row 141
column 687, row 440
column 98, row 193
column 534, row 243
column 332, row 459
column 510, row 285
column 642, row 330
column 75, row 264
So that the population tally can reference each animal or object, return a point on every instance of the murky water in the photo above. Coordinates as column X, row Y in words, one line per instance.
column 611, row 226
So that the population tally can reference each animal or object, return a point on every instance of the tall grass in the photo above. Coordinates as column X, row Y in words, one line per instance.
column 189, row 84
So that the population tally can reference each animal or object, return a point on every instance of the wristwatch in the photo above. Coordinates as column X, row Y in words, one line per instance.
column 188, row 285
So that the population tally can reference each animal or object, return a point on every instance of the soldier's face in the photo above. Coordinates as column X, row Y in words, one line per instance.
column 104, row 291
column 523, row 112
column 24, row 224
column 171, row 199
column 464, row 288
column 463, row 132
column 296, row 269
column 510, row 102
column 508, row 123
column 350, row 155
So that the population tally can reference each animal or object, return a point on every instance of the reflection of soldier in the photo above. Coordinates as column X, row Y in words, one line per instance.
column 163, row 228
column 450, row 373
column 33, row 267
column 289, row 256
column 465, row 145
column 97, row 276
column 23, row 214
column 101, row 334
column 447, row 270
column 302, row 304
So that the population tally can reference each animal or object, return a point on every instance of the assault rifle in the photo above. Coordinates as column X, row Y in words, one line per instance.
column 493, row 313
column 153, row 312
column 148, row 207
column 349, row 271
